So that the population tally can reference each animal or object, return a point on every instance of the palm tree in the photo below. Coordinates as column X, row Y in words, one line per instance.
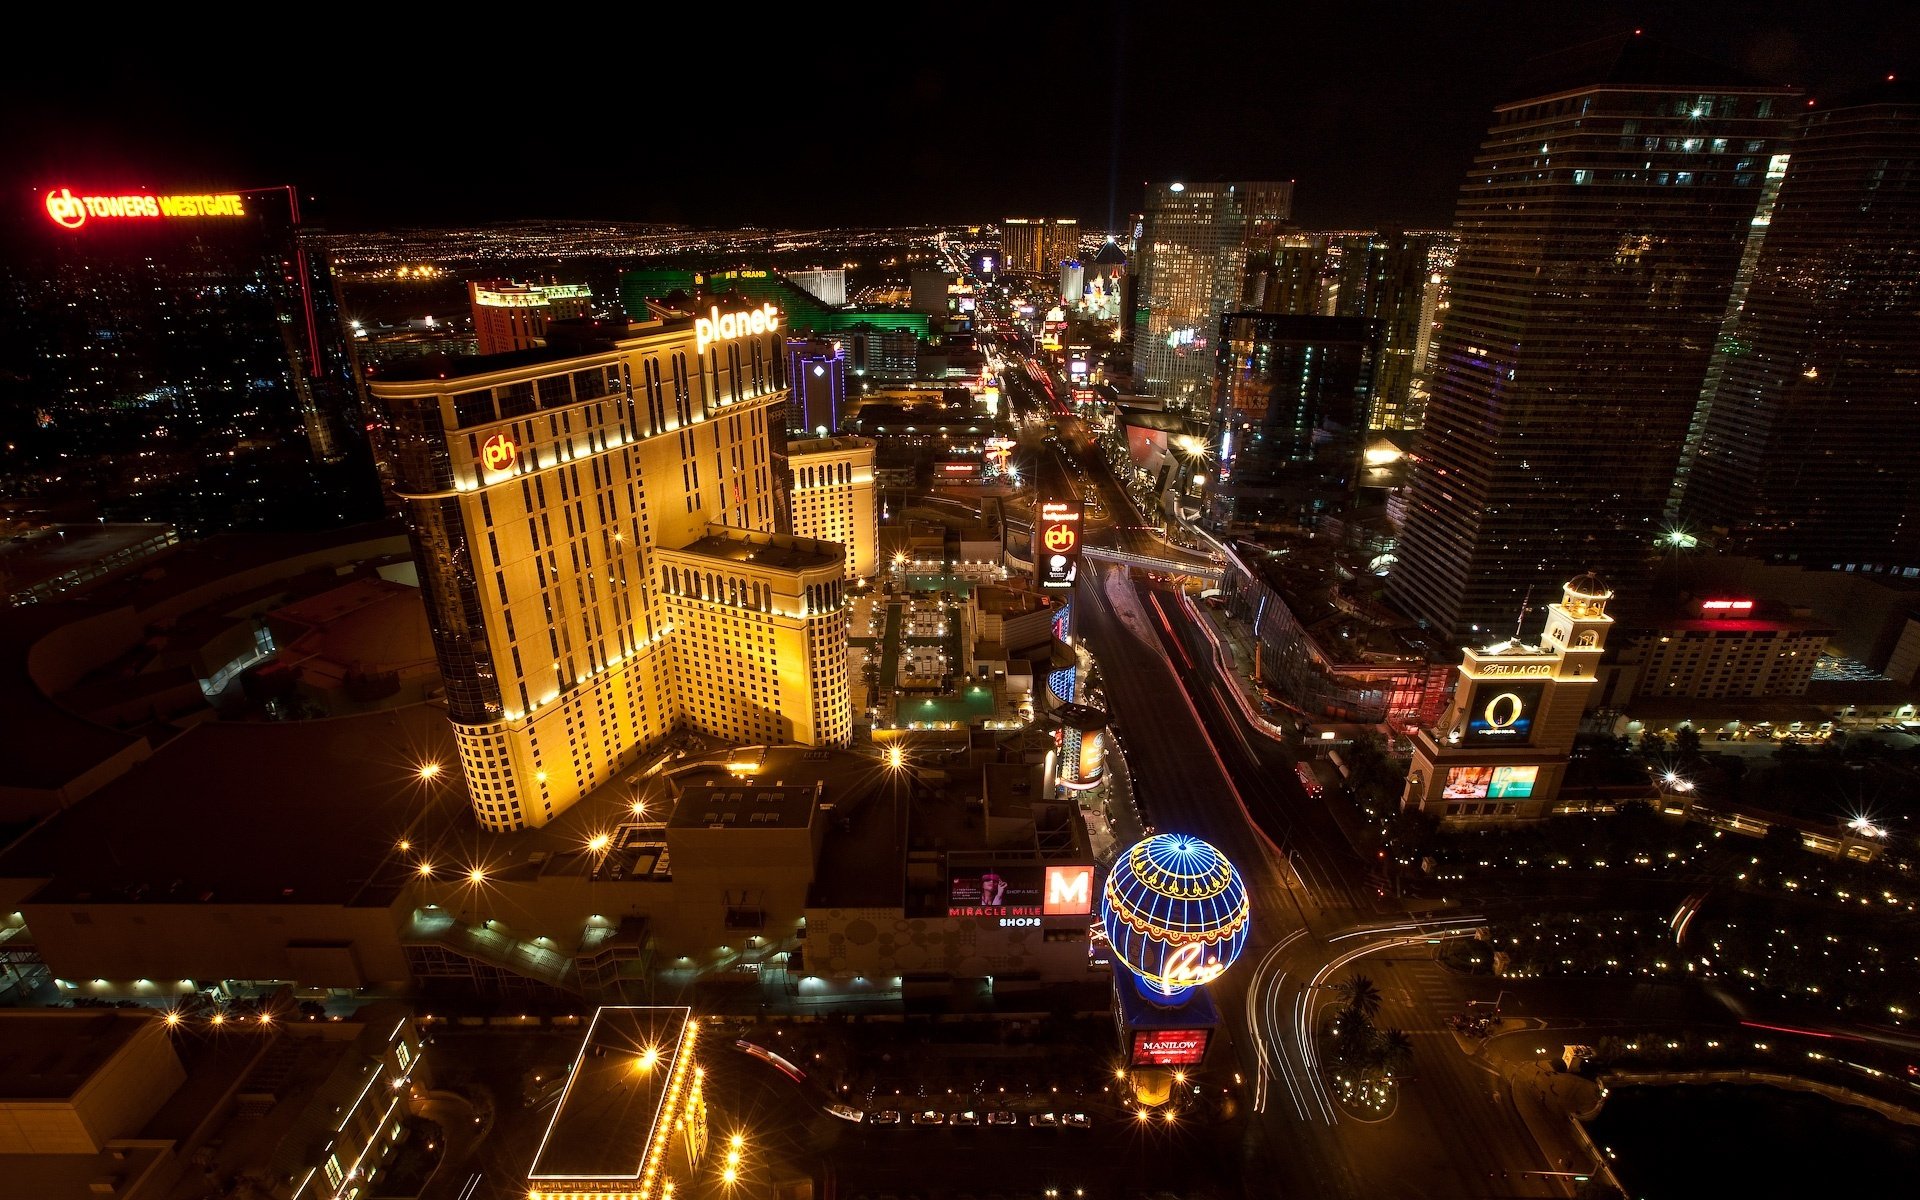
column 1361, row 997
column 1396, row 1051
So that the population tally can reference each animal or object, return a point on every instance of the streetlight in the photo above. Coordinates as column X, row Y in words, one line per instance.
column 429, row 771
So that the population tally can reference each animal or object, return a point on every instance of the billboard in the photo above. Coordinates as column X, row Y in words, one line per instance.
column 1056, row 543
column 1169, row 1047
column 1010, row 891
column 1491, row 783
column 1069, row 891
column 1501, row 713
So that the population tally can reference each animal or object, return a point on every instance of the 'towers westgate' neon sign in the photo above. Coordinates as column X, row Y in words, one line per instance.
column 717, row 328
column 71, row 212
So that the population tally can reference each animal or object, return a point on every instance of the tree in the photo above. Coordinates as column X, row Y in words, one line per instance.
column 1396, row 1051
column 1361, row 997
column 1686, row 745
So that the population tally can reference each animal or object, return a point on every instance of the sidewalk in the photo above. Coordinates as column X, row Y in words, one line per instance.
column 1550, row 1103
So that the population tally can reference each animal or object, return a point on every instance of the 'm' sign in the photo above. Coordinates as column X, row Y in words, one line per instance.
column 718, row 327
column 1069, row 891
column 71, row 212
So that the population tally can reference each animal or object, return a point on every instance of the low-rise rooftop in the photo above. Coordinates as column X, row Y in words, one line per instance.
column 51, row 1055
column 781, row 551
column 609, row 1113
column 296, row 812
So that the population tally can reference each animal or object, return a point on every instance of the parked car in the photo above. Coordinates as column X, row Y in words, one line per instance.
column 1002, row 1118
column 929, row 1117
column 1076, row 1121
column 1044, row 1121
column 885, row 1116
column 967, row 1119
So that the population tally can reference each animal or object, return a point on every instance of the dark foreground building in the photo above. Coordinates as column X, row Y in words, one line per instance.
column 1802, row 447
column 1602, row 225
column 1291, row 398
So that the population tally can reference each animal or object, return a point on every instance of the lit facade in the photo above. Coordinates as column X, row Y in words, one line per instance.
column 1500, row 749
column 1385, row 278
column 1037, row 246
column 1800, row 450
column 759, row 636
column 817, row 373
column 1291, row 397
column 833, row 497
column 1602, row 226
column 1192, row 257
column 1727, row 653
column 540, row 497
column 514, row 316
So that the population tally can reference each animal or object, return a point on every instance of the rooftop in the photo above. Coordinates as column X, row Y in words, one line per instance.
column 607, row 1115
column 827, row 445
column 778, row 550
column 70, row 550
column 51, row 1055
column 746, row 804
column 297, row 812
column 68, row 745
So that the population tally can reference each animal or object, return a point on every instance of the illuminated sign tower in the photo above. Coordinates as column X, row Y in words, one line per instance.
column 1499, row 751
column 1175, row 914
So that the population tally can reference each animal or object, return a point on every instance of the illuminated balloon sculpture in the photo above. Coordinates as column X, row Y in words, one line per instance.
column 1175, row 912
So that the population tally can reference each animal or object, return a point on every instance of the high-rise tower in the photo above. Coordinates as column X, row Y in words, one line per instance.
column 1193, row 255
column 1801, row 449
column 515, row 316
column 593, row 523
column 1601, row 228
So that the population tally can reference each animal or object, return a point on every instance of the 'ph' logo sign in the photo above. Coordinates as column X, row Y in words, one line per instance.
column 66, row 209
column 498, row 452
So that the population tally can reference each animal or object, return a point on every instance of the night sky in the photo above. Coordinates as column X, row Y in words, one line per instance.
column 844, row 114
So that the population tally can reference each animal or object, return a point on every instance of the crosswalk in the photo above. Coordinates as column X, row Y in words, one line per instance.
column 1417, row 994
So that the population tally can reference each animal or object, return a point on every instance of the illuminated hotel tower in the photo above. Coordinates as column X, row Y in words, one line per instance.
column 515, row 316
column 1192, row 258
column 833, row 497
column 593, row 527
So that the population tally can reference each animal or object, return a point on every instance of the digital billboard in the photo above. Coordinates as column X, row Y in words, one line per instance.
column 1169, row 1047
column 1069, row 891
column 1056, row 543
column 1501, row 712
column 1490, row 783
column 1011, row 890
column 1513, row 783
column 1468, row 783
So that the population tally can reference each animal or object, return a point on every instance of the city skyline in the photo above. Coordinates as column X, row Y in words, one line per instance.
column 1375, row 128
column 998, row 680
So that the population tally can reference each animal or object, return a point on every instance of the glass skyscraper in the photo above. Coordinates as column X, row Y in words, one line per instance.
column 1602, row 225
column 1291, row 397
column 1193, row 254
column 1802, row 447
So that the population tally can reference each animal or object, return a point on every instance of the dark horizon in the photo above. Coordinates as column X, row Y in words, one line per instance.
column 895, row 120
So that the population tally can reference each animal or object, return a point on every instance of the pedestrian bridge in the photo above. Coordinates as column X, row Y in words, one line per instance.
column 1150, row 562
